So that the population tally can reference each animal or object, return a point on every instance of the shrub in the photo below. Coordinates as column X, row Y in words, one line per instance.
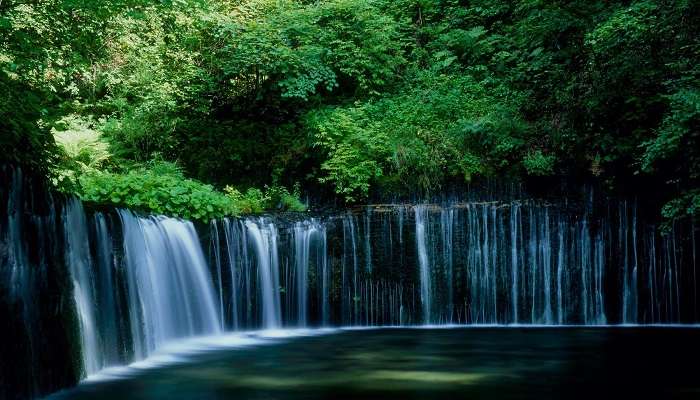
column 147, row 191
column 538, row 164
column 81, row 150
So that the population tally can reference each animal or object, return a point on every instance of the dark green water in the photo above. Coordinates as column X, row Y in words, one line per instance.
column 471, row 363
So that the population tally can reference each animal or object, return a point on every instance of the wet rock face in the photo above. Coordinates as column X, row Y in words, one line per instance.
column 39, row 349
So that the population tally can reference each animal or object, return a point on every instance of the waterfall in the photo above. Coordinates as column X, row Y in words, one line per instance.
column 302, row 235
column 82, row 275
column 514, row 228
column 447, row 232
column 15, row 245
column 368, row 238
column 322, row 254
column 584, row 257
column 561, row 312
column 239, row 270
column 216, row 257
column 421, row 249
column 263, row 236
column 106, row 283
column 350, row 294
column 168, row 288
column 171, row 294
column 475, row 263
column 134, row 283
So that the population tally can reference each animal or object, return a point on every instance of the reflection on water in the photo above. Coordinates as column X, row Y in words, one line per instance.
column 472, row 363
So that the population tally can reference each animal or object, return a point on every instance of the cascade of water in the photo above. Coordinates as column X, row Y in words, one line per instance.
column 695, row 271
column 325, row 276
column 302, row 234
column 533, row 263
column 83, row 276
column 473, row 247
column 493, row 212
column 351, row 294
column 558, row 276
column 447, row 224
column 514, row 228
column 546, row 249
column 216, row 250
column 423, row 263
column 633, row 313
column 623, row 249
column 651, row 279
column 235, row 251
column 170, row 289
column 599, row 270
column 80, row 267
column 137, row 283
column 561, row 312
column 106, row 291
column 585, row 262
column 263, row 235
column 15, row 251
column 674, row 252
column 368, row 235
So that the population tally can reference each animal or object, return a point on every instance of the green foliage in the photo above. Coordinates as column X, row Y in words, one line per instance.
column 536, row 163
column 82, row 151
column 302, row 50
column 280, row 198
column 678, row 138
column 685, row 205
column 147, row 191
column 151, row 79
column 160, row 188
column 22, row 140
column 352, row 151
column 359, row 96
column 273, row 198
column 251, row 202
column 675, row 152
column 440, row 128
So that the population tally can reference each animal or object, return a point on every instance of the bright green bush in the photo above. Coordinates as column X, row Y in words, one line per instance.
column 538, row 164
column 147, row 191
column 275, row 198
column 82, row 150
column 251, row 202
column 280, row 198
column 685, row 205
column 301, row 49
column 442, row 127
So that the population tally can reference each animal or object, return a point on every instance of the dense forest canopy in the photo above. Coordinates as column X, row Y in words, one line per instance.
column 201, row 108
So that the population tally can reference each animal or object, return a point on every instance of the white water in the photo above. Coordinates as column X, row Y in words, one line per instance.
column 263, row 236
column 80, row 267
column 186, row 350
column 325, row 278
column 425, row 280
column 303, row 233
column 170, row 290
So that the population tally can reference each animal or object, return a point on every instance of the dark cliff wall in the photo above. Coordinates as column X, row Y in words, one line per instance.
column 39, row 345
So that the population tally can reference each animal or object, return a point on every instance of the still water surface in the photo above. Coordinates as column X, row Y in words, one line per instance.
column 458, row 363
